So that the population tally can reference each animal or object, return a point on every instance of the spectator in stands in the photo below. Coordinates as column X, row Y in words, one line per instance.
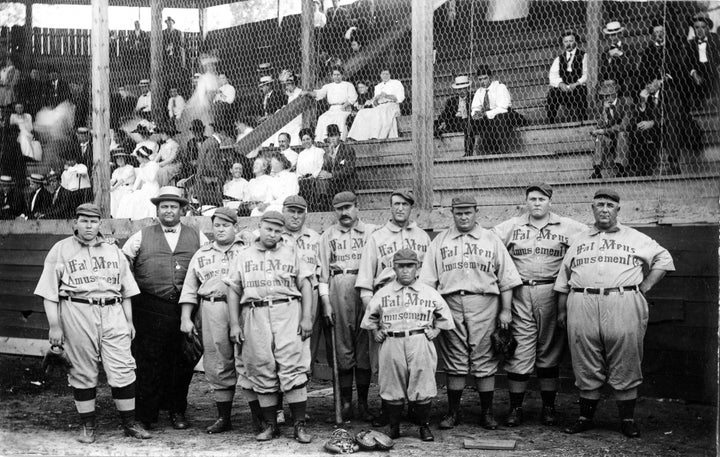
column 338, row 167
column 568, row 76
column 9, row 78
column 272, row 98
column 121, row 181
column 145, row 140
column 12, row 203
column 380, row 121
column 492, row 116
column 174, row 49
column 704, row 58
column 32, row 92
column 363, row 101
column 75, row 179
column 143, row 107
column 657, row 61
column 208, row 181
column 340, row 96
column 285, row 182
column 259, row 189
column 39, row 199
column 612, row 135
column 291, row 92
column 167, row 156
column 57, row 90
column 338, row 21
column 25, row 137
column 309, row 165
column 136, row 204
column 456, row 117
column 60, row 204
column 176, row 105
column 223, row 101
column 618, row 61
column 235, row 190
column 83, row 147
column 189, row 156
column 137, row 45
column 648, row 129
column 122, row 105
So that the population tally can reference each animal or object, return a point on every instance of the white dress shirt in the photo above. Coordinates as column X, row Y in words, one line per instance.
column 499, row 98
column 144, row 103
column 176, row 105
column 554, row 75
column 132, row 245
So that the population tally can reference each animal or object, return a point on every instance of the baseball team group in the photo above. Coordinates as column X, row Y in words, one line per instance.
column 396, row 303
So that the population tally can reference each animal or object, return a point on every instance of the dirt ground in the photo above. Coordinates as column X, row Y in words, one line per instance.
column 38, row 417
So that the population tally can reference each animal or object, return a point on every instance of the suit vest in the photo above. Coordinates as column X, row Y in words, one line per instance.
column 570, row 77
column 160, row 271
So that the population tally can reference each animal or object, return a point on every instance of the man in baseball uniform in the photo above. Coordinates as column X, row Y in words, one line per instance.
column 269, row 298
column 474, row 273
column 204, row 287
column 405, row 316
column 340, row 248
column 160, row 255
column 86, row 285
column 537, row 242
column 602, row 282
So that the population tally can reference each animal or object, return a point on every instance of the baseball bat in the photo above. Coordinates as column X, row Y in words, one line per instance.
column 336, row 379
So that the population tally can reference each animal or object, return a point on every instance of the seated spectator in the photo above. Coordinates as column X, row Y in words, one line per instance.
column 136, row 204
column 612, row 135
column 9, row 77
column 223, row 101
column 175, row 106
column 309, row 165
column 618, row 61
column 60, row 204
column 285, row 182
column 286, row 150
column 338, row 168
column 662, row 60
column 272, row 98
column 121, row 181
column 363, row 101
column 292, row 92
column 25, row 138
column 12, row 203
column 648, row 130
column 167, row 156
column 83, row 147
column 208, row 181
column 456, row 117
column 235, row 190
column 32, row 91
column 259, row 189
column 703, row 58
column 39, row 199
column 380, row 121
column 189, row 156
column 568, row 76
column 340, row 96
column 76, row 182
column 122, row 106
column 143, row 106
column 145, row 140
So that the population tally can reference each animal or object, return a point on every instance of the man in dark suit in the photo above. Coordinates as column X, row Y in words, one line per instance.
column 61, row 205
column 273, row 98
column 210, row 169
column 704, row 58
column 57, row 90
column 138, row 45
column 12, row 203
column 39, row 200
column 612, row 135
column 84, row 149
column 456, row 115
column 568, row 76
column 647, row 137
column 618, row 61
column 338, row 167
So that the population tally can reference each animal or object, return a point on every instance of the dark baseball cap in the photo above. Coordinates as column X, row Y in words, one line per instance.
column 541, row 187
column 607, row 193
column 344, row 198
column 404, row 256
column 464, row 201
column 407, row 194
column 88, row 209
column 226, row 214
column 295, row 201
column 273, row 217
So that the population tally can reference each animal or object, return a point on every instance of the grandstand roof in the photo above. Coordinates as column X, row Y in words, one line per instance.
column 146, row 3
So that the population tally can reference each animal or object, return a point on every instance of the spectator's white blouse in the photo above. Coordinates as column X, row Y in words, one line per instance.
column 310, row 162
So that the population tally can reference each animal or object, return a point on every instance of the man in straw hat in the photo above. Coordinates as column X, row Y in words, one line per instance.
column 618, row 62
column 144, row 101
column 272, row 97
column 612, row 135
column 456, row 115
column 39, row 200
column 12, row 203
column 160, row 255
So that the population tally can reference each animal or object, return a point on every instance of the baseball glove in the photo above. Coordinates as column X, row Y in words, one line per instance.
column 373, row 441
column 341, row 442
column 503, row 342
column 192, row 349
column 382, row 441
column 55, row 357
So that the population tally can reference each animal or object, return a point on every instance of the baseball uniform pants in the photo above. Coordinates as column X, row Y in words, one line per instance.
column 606, row 338
column 534, row 326
column 96, row 334
column 467, row 348
column 407, row 368
column 219, row 351
column 352, row 342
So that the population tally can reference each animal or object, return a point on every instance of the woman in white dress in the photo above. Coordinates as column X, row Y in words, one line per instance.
column 285, row 182
column 259, row 189
column 340, row 96
column 137, row 205
column 380, row 121
column 25, row 137
column 292, row 128
column 121, row 180
column 167, row 156
column 309, row 165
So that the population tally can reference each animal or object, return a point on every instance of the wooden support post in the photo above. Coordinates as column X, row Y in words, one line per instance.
column 422, row 102
column 309, row 56
column 100, row 39
column 594, row 25
column 28, row 46
column 157, row 86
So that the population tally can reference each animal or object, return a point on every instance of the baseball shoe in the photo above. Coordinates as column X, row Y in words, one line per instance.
column 515, row 417
column 548, row 416
column 629, row 428
column 487, row 420
column 450, row 421
column 268, row 432
column 222, row 424
column 302, row 436
column 178, row 421
column 426, row 433
column 87, row 434
column 135, row 430
column 364, row 413
column 581, row 425
column 280, row 417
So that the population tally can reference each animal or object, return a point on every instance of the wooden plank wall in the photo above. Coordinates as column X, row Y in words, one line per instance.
column 680, row 346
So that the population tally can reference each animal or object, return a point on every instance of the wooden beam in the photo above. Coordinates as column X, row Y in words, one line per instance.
column 422, row 101
column 100, row 40
column 157, row 87
column 27, row 49
column 309, row 56
column 592, row 32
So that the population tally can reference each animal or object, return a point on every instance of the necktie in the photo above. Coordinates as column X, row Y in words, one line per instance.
column 170, row 229
column 486, row 101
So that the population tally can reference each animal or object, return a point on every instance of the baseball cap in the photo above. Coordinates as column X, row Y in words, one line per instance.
column 226, row 214
column 464, row 201
column 273, row 217
column 344, row 198
column 88, row 209
column 607, row 193
column 405, row 255
column 541, row 187
column 407, row 194
column 295, row 201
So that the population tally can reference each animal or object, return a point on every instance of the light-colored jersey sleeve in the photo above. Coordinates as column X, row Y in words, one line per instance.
column 191, row 283
column 429, row 273
column 132, row 246
column 562, row 283
column 373, row 314
column 48, row 285
column 503, row 230
column 129, row 286
column 233, row 279
column 506, row 272
column 368, row 262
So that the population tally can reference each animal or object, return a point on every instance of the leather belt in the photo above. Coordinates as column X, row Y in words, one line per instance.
column 96, row 301
column 538, row 282
column 465, row 292
column 214, row 299
column 604, row 290
column 261, row 303
column 343, row 272
column 405, row 333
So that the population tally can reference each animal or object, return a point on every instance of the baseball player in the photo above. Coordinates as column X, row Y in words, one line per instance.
column 204, row 287
column 340, row 248
column 474, row 273
column 405, row 316
column 537, row 242
column 269, row 298
column 86, row 285
column 602, row 282
column 160, row 255
column 376, row 267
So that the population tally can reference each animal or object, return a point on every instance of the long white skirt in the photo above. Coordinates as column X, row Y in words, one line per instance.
column 116, row 196
column 136, row 205
column 335, row 115
column 379, row 122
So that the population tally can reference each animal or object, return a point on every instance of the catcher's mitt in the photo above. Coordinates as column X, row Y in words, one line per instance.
column 192, row 349
column 373, row 440
column 503, row 342
column 341, row 442
column 55, row 357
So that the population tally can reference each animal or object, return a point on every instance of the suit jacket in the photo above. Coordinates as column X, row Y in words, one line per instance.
column 172, row 43
column 713, row 55
column 277, row 100
column 61, row 208
column 342, row 168
column 209, row 161
column 622, row 118
column 622, row 69
column 451, row 107
column 43, row 203
column 15, row 203
column 56, row 94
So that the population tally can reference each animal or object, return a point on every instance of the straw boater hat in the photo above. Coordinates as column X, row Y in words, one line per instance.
column 265, row 80
column 613, row 28
column 702, row 17
column 169, row 193
column 6, row 180
column 144, row 82
column 37, row 178
column 119, row 152
column 461, row 82
column 169, row 19
column 608, row 88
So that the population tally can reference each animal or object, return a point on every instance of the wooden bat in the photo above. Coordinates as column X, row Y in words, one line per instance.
column 336, row 380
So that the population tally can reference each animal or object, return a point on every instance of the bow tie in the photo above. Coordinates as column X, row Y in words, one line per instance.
column 703, row 41
column 170, row 229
